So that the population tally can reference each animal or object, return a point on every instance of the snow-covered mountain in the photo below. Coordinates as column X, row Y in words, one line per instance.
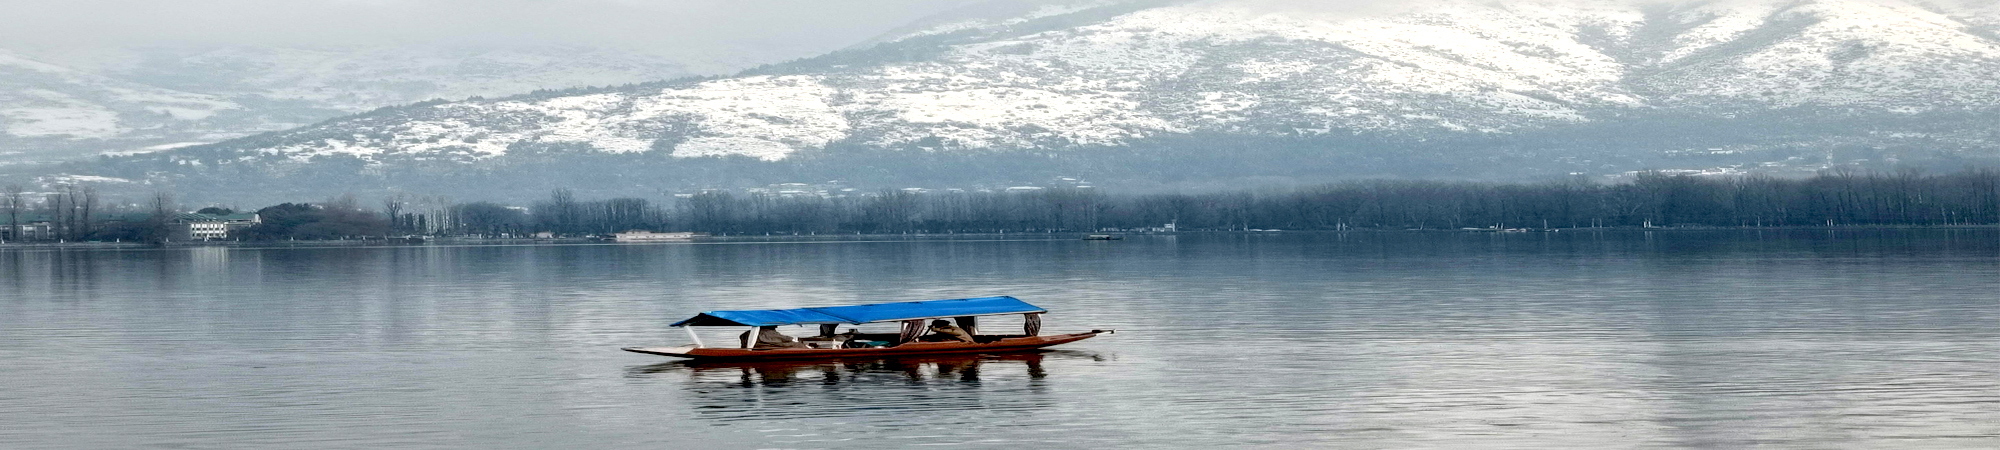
column 1557, row 85
column 355, row 79
column 47, row 105
column 69, row 102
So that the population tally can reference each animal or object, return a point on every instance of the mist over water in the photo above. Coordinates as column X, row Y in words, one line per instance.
column 1724, row 339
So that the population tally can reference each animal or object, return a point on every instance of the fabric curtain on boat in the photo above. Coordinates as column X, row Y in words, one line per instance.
column 911, row 329
column 1033, row 325
column 968, row 323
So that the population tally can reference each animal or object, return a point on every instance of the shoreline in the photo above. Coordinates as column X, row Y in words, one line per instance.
column 1044, row 236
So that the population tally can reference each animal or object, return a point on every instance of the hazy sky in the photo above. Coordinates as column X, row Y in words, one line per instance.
column 671, row 27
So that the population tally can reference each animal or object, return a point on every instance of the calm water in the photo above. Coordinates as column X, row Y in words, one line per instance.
column 1805, row 339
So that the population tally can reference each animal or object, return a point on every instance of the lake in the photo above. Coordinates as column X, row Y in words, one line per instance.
column 1672, row 339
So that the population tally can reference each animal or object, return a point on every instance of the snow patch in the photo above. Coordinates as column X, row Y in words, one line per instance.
column 49, row 113
column 733, row 146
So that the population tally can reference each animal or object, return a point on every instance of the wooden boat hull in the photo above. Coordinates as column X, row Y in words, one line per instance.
column 913, row 348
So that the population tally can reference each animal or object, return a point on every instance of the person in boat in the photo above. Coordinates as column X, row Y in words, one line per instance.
column 769, row 337
column 943, row 331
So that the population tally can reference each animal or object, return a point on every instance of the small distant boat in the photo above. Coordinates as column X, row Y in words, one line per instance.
column 911, row 341
column 648, row 236
column 1103, row 237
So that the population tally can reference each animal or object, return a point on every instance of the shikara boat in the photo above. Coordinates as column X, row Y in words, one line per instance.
column 830, row 345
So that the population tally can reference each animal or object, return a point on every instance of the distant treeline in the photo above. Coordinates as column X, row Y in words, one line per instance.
column 1649, row 199
column 1833, row 198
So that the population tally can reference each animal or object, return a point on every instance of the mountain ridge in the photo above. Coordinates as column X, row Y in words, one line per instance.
column 244, row 90
column 1120, row 74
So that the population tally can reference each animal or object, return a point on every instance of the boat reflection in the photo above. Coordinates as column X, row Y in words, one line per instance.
column 964, row 367
column 942, row 385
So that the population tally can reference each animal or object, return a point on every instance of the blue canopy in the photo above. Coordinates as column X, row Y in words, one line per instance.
column 859, row 314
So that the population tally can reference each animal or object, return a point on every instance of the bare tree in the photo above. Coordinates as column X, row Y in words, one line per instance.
column 89, row 203
column 563, row 209
column 343, row 202
column 711, row 211
column 63, row 212
column 892, row 210
column 10, row 198
column 392, row 206
column 162, row 203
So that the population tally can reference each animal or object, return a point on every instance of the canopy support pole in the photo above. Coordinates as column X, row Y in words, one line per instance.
column 968, row 323
column 695, row 337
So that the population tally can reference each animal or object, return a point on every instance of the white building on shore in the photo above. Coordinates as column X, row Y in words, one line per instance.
column 207, row 227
